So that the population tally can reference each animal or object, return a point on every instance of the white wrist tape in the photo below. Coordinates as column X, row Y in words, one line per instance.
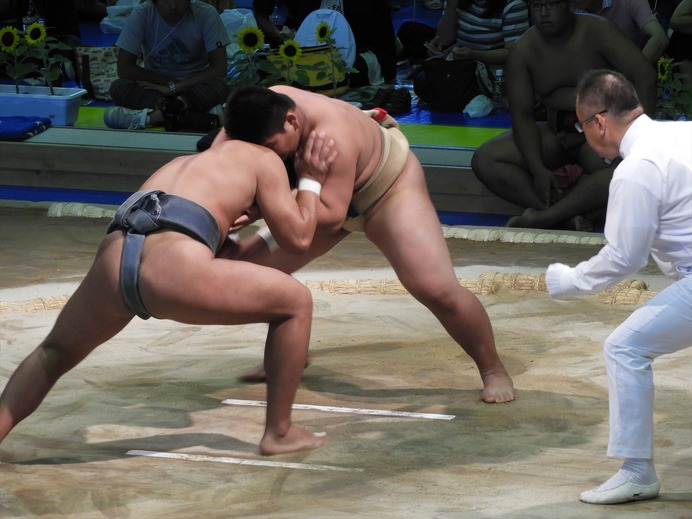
column 266, row 235
column 308, row 184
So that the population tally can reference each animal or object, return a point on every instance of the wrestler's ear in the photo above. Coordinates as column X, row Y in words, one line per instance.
column 292, row 119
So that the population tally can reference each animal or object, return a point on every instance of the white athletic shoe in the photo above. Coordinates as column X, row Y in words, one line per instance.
column 125, row 118
column 622, row 494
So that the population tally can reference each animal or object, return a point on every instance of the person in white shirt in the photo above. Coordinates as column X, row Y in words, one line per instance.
column 649, row 212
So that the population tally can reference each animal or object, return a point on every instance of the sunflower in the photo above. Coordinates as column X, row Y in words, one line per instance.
column 9, row 39
column 250, row 39
column 290, row 50
column 35, row 33
column 663, row 67
column 323, row 31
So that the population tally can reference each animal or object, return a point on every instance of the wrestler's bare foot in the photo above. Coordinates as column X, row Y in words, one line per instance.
column 295, row 440
column 497, row 388
column 529, row 219
column 579, row 223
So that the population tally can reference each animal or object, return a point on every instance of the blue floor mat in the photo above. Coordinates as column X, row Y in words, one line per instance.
column 93, row 37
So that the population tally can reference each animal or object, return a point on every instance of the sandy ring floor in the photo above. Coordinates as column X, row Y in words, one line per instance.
column 159, row 386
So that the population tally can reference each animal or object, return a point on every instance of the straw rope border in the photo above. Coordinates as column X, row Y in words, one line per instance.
column 629, row 292
column 625, row 293
column 471, row 233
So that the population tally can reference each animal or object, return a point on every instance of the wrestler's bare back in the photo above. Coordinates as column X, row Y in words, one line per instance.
column 203, row 176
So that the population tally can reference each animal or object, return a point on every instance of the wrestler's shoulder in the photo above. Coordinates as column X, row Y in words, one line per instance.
column 237, row 150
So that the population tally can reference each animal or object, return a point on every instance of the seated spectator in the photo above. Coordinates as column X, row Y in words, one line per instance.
column 480, row 30
column 477, row 30
column 680, row 48
column 182, row 48
column 371, row 23
column 537, row 164
column 635, row 18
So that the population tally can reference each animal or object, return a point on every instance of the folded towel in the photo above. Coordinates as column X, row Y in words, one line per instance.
column 19, row 128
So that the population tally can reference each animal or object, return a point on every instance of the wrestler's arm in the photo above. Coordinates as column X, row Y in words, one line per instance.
column 628, row 59
column 258, row 248
column 681, row 19
column 657, row 42
column 293, row 230
column 337, row 190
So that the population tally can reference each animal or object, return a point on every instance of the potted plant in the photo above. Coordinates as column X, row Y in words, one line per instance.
column 32, row 60
column 674, row 95
column 320, row 69
column 338, row 69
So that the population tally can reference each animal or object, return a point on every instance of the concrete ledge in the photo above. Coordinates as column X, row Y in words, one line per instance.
column 453, row 186
column 119, row 160
column 94, row 159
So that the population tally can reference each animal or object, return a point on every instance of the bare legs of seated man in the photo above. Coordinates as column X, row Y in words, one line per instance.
column 499, row 165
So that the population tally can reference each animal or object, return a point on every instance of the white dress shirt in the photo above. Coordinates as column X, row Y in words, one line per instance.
column 649, row 211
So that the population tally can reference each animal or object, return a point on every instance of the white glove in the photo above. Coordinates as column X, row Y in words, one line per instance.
column 558, row 282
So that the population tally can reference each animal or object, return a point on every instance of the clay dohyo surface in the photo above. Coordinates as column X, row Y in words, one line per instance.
column 159, row 387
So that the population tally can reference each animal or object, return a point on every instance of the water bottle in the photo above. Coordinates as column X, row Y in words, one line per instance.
column 499, row 93
column 32, row 16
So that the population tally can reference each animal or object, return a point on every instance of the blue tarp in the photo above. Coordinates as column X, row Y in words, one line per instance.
column 19, row 128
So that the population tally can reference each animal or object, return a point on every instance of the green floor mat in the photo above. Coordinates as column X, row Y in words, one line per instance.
column 92, row 117
column 448, row 136
column 417, row 134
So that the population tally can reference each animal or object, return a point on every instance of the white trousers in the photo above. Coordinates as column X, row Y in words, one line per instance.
column 663, row 325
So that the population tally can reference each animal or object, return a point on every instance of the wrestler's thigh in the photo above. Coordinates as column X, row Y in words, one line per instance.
column 405, row 227
column 207, row 290
column 503, row 148
column 96, row 311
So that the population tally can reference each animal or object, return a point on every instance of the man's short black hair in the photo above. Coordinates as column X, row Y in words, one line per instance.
column 256, row 113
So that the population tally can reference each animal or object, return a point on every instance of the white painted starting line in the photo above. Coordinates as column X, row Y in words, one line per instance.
column 238, row 461
column 348, row 410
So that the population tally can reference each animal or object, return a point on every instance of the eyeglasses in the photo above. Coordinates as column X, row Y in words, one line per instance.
column 580, row 125
column 550, row 5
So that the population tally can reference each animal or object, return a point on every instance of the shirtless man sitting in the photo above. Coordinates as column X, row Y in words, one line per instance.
column 376, row 185
column 160, row 257
column 547, row 63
